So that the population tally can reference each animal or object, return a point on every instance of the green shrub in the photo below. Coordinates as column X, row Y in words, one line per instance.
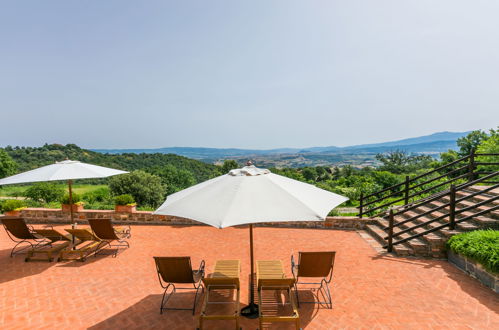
column 479, row 245
column 125, row 199
column 145, row 188
column 65, row 199
column 13, row 205
column 99, row 195
column 45, row 192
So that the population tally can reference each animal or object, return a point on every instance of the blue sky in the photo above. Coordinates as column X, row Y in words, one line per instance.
column 250, row 74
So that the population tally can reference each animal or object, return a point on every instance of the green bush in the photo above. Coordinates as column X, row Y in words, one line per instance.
column 100, row 195
column 12, row 205
column 479, row 245
column 145, row 188
column 45, row 192
column 125, row 199
column 65, row 199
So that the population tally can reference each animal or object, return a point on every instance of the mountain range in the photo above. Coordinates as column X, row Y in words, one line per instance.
column 428, row 144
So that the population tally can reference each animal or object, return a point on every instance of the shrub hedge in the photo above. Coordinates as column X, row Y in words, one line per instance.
column 479, row 245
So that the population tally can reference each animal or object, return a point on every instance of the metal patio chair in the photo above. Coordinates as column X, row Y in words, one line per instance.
column 315, row 265
column 178, row 270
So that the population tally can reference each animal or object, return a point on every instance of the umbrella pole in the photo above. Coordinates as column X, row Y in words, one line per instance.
column 71, row 210
column 71, row 203
column 251, row 311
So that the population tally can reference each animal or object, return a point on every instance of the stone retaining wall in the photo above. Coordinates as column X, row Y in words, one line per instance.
column 475, row 270
column 54, row 216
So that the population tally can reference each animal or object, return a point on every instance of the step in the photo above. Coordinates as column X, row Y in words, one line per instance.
column 467, row 203
column 417, row 244
column 486, row 221
column 378, row 234
column 477, row 198
column 480, row 188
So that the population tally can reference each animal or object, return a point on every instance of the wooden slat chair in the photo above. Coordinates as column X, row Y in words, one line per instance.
column 21, row 233
column 178, row 270
column 224, row 282
column 315, row 265
column 270, row 277
column 86, row 243
column 58, row 242
column 105, row 231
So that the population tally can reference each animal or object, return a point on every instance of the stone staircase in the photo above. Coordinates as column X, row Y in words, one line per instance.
column 433, row 244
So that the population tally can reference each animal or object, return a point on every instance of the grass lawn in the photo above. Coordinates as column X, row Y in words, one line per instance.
column 18, row 190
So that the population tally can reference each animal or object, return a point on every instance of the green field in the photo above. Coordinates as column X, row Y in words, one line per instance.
column 18, row 190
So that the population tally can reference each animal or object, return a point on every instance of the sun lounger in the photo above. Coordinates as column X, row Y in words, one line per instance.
column 271, row 278
column 223, row 283
column 46, row 252
column 104, row 230
column 178, row 270
column 86, row 243
column 317, row 265
column 21, row 233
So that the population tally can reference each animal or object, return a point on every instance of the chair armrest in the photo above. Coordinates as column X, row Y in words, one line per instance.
column 201, row 268
column 293, row 265
column 48, row 226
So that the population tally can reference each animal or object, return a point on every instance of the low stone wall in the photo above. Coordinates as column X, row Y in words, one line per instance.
column 55, row 216
column 475, row 270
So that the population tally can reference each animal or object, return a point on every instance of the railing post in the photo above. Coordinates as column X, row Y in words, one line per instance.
column 406, row 191
column 361, row 203
column 452, row 208
column 390, row 232
column 471, row 166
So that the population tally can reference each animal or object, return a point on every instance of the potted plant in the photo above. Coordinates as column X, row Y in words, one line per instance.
column 77, row 203
column 124, row 203
column 13, row 207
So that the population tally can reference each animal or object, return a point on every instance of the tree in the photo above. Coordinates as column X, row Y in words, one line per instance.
column 7, row 165
column 174, row 178
column 399, row 162
column 489, row 146
column 229, row 164
column 470, row 142
column 147, row 189
column 45, row 192
column 309, row 174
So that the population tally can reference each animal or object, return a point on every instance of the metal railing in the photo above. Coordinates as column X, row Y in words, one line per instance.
column 417, row 188
column 451, row 214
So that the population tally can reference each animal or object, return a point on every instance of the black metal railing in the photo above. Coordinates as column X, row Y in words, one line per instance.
column 419, row 187
column 487, row 199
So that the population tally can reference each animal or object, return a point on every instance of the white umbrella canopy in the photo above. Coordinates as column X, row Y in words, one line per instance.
column 65, row 170
column 250, row 195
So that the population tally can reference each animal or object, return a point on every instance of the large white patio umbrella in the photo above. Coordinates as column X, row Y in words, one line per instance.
column 67, row 170
column 250, row 195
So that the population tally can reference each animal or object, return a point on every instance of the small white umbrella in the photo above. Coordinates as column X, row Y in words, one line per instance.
column 250, row 195
column 66, row 170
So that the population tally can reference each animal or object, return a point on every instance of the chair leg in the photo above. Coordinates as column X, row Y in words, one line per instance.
column 296, row 293
column 195, row 298
column 163, row 300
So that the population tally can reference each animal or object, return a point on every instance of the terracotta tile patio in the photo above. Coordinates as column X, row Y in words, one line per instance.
column 369, row 290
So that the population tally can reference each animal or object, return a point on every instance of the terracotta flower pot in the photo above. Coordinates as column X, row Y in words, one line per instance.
column 12, row 213
column 125, row 208
column 76, row 207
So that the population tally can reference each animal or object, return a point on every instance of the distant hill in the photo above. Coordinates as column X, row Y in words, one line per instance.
column 433, row 143
column 29, row 158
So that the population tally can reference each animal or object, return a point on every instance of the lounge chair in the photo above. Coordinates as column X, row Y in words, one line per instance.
column 315, row 265
column 224, row 278
column 58, row 242
column 86, row 244
column 178, row 270
column 104, row 230
column 21, row 233
column 271, row 278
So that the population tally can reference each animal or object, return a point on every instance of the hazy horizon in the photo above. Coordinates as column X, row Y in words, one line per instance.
column 250, row 75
